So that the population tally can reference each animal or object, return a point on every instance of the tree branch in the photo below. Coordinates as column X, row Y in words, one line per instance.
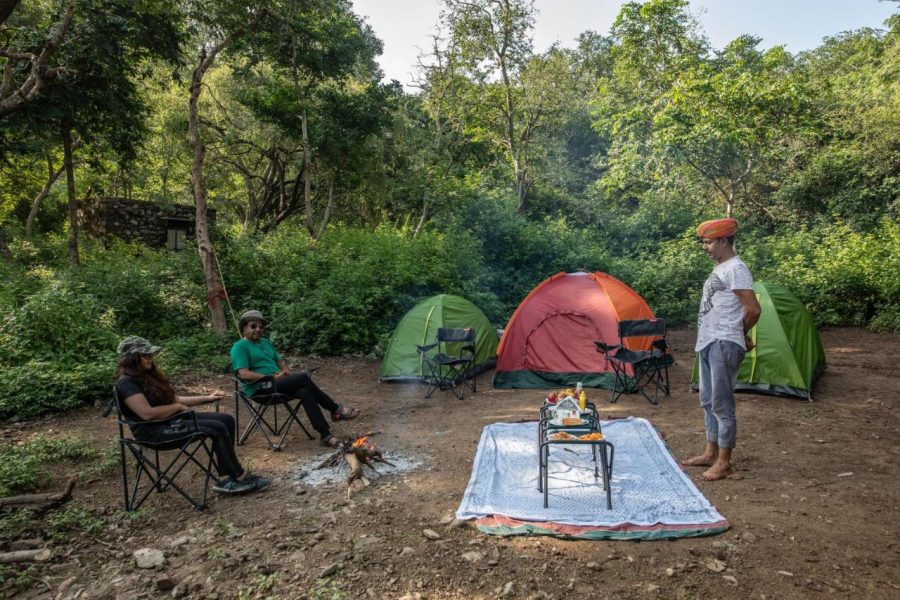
column 40, row 75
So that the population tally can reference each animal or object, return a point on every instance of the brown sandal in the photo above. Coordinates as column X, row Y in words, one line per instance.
column 331, row 442
column 344, row 414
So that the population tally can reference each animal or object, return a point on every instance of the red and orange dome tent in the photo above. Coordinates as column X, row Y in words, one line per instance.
column 549, row 340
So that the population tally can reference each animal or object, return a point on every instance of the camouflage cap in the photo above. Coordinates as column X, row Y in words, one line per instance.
column 136, row 345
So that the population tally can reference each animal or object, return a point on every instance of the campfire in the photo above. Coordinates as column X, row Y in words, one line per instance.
column 357, row 452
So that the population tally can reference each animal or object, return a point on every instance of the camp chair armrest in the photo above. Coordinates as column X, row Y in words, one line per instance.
column 605, row 348
column 624, row 355
column 425, row 348
column 179, row 415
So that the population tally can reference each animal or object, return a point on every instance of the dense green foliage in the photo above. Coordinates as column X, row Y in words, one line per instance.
column 342, row 201
column 22, row 467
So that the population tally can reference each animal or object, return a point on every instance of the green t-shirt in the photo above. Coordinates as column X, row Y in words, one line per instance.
column 259, row 357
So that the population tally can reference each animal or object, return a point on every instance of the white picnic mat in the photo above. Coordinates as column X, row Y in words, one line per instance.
column 648, row 486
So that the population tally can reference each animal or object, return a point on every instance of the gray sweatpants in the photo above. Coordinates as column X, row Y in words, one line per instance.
column 719, row 363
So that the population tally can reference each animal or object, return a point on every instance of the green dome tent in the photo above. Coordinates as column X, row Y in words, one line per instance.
column 419, row 327
column 788, row 356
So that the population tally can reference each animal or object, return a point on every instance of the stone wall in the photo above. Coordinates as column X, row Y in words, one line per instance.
column 138, row 220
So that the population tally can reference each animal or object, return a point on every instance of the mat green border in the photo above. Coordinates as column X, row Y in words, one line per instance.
column 660, row 534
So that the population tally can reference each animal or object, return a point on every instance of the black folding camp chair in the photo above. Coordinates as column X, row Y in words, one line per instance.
column 649, row 366
column 449, row 361
column 194, row 447
column 259, row 404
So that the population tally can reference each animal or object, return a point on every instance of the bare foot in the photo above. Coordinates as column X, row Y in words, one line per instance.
column 717, row 471
column 703, row 460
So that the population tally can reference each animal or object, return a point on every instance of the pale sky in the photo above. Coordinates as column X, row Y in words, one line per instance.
column 404, row 26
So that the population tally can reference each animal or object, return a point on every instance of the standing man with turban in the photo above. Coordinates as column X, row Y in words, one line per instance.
column 728, row 310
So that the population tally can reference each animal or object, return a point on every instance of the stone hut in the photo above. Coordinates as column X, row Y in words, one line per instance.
column 154, row 224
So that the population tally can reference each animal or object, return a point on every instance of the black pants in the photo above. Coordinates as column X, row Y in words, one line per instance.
column 301, row 386
column 220, row 428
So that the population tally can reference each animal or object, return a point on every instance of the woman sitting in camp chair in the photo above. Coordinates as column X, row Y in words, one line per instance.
column 257, row 363
column 147, row 395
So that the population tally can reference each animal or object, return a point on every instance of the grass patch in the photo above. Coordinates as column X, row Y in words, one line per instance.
column 23, row 466
column 74, row 518
column 16, row 579
column 327, row 590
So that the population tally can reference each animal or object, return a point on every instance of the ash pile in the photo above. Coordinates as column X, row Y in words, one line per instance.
column 356, row 463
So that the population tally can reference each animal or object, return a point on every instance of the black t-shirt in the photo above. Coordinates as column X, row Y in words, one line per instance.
column 129, row 386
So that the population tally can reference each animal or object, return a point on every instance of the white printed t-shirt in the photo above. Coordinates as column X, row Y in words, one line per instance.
column 721, row 315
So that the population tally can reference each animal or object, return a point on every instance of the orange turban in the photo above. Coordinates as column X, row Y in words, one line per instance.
column 717, row 228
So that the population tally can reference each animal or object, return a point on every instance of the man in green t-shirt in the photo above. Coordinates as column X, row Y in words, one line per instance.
column 264, row 371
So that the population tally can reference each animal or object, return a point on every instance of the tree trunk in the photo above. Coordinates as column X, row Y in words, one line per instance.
column 52, row 176
column 70, row 186
column 327, row 215
column 521, row 190
column 5, row 252
column 422, row 221
column 215, row 291
column 307, row 162
column 6, row 8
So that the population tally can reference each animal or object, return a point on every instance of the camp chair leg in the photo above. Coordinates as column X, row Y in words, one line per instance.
column 279, row 428
column 124, row 470
column 450, row 360
column 255, row 418
column 162, row 479
column 450, row 384
column 620, row 386
column 432, row 381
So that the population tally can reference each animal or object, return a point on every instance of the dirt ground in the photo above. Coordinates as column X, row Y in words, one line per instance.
column 816, row 512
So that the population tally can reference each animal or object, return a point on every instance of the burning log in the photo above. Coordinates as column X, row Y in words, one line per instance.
column 355, row 471
column 357, row 452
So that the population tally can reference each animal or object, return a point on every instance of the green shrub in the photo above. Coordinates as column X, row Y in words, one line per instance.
column 192, row 351
column 22, row 467
column 60, row 326
column 517, row 253
column 886, row 319
column 62, row 320
column 153, row 293
column 670, row 281
column 352, row 287
column 37, row 387
column 844, row 276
